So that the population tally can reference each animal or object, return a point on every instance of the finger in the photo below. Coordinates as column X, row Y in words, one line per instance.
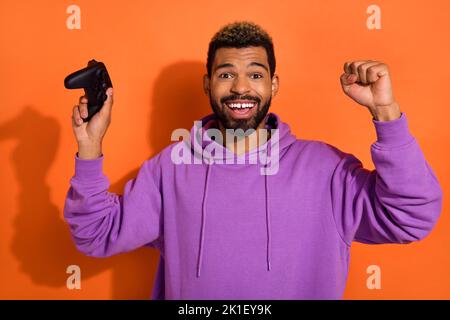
column 83, row 99
column 377, row 71
column 353, row 69
column 83, row 108
column 76, row 116
column 351, row 66
column 347, row 67
column 107, row 105
column 362, row 71
column 347, row 79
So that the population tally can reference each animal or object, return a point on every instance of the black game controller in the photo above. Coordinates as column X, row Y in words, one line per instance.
column 94, row 79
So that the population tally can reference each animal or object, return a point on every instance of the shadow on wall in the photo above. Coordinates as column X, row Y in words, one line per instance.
column 177, row 102
column 42, row 243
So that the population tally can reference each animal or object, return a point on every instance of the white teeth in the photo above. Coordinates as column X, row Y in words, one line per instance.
column 240, row 105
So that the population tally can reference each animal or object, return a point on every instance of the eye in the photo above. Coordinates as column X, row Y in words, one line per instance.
column 225, row 75
column 256, row 75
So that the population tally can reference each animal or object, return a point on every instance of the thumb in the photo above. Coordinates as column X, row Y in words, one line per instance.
column 107, row 105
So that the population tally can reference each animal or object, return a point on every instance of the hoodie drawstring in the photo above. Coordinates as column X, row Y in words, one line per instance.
column 269, row 235
column 202, row 232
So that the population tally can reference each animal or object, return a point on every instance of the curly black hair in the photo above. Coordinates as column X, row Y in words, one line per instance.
column 241, row 34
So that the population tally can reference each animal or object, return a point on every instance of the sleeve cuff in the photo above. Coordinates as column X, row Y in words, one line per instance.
column 393, row 133
column 88, row 169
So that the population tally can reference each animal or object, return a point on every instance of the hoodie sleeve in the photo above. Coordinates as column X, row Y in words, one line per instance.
column 104, row 223
column 398, row 202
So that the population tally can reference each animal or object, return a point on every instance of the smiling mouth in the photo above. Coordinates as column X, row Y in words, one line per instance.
column 241, row 109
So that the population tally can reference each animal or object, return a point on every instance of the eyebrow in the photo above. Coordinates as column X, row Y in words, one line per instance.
column 226, row 65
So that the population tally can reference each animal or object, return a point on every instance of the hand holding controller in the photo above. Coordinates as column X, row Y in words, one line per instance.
column 94, row 79
column 89, row 129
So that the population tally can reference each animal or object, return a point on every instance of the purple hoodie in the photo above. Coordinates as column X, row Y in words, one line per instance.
column 226, row 231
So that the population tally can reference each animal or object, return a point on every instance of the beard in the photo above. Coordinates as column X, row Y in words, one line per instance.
column 229, row 123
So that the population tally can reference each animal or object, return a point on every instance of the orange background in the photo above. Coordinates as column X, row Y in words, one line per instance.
column 155, row 52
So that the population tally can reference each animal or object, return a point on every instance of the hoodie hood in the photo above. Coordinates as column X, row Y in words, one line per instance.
column 201, row 144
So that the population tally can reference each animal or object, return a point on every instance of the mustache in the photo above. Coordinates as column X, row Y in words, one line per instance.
column 236, row 97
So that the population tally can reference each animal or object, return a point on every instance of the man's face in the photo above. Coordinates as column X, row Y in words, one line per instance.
column 240, row 88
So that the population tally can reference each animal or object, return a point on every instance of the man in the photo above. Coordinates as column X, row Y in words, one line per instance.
column 229, row 230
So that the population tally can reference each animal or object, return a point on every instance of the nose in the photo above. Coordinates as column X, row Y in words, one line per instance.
column 240, row 85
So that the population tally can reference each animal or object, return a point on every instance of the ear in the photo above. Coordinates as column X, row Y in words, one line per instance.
column 275, row 84
column 206, row 83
